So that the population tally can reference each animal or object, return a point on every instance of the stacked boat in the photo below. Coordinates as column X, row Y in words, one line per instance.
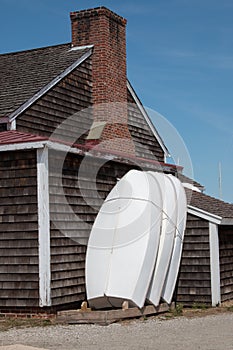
column 135, row 245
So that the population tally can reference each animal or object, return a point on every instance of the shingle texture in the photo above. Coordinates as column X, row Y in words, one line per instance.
column 210, row 204
column 12, row 137
column 184, row 179
column 24, row 73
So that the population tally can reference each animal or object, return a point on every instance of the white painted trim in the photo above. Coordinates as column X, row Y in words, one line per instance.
column 75, row 48
column 149, row 122
column 49, row 86
column 22, row 146
column 43, row 227
column 204, row 215
column 227, row 221
column 64, row 148
column 214, row 264
column 191, row 187
column 13, row 125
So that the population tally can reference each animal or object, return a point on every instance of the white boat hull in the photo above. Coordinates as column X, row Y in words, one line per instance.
column 172, row 274
column 166, row 238
column 123, row 243
column 135, row 245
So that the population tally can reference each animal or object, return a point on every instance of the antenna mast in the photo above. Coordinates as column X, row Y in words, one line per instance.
column 220, row 179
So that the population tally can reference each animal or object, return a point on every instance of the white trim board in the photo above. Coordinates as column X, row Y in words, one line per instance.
column 22, row 146
column 60, row 147
column 214, row 264
column 204, row 215
column 147, row 119
column 43, row 228
column 47, row 87
column 227, row 222
column 76, row 48
column 39, row 144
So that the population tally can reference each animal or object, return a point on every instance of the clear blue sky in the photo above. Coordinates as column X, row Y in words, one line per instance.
column 180, row 62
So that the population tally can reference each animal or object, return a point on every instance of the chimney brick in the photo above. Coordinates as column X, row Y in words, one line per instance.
column 107, row 32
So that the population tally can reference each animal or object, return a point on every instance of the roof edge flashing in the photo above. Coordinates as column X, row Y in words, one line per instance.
column 76, row 48
column 149, row 122
column 215, row 219
column 227, row 222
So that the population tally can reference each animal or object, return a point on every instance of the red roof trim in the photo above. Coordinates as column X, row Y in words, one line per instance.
column 16, row 137
column 12, row 137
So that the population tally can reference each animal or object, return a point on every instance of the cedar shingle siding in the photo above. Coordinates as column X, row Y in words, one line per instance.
column 73, row 209
column 18, row 230
column 146, row 145
column 226, row 261
column 61, row 103
column 194, row 285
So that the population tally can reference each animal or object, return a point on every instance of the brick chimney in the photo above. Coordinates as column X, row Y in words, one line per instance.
column 106, row 31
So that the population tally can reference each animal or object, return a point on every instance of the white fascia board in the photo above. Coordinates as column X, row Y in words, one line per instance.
column 204, row 215
column 43, row 228
column 49, row 86
column 227, row 221
column 214, row 264
column 76, row 48
column 38, row 145
column 22, row 146
column 149, row 122
column 63, row 148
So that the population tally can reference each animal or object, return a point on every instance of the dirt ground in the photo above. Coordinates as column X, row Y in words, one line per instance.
column 193, row 329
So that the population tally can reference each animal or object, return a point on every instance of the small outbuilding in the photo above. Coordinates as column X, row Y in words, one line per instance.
column 206, row 274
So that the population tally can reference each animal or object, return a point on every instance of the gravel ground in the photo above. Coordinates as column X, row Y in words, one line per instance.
column 213, row 332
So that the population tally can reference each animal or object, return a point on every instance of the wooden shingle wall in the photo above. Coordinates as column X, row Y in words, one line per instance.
column 62, row 102
column 18, row 230
column 226, row 261
column 146, row 146
column 194, row 283
column 69, row 100
column 73, row 208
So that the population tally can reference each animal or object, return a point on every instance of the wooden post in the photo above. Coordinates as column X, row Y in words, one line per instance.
column 214, row 264
column 44, row 227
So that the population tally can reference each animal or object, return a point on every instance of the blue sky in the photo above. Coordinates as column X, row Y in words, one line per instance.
column 180, row 62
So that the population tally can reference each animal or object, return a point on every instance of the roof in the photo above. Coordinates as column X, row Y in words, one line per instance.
column 28, row 75
column 210, row 204
column 15, row 140
column 12, row 137
column 44, row 65
column 195, row 199
column 185, row 179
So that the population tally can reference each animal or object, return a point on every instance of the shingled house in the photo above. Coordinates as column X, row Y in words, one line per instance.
column 70, row 125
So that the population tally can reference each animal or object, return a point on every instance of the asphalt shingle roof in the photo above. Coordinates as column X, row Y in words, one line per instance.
column 184, row 179
column 23, row 74
column 210, row 204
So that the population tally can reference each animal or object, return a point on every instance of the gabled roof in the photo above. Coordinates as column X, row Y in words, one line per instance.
column 25, row 73
column 210, row 205
column 26, row 76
